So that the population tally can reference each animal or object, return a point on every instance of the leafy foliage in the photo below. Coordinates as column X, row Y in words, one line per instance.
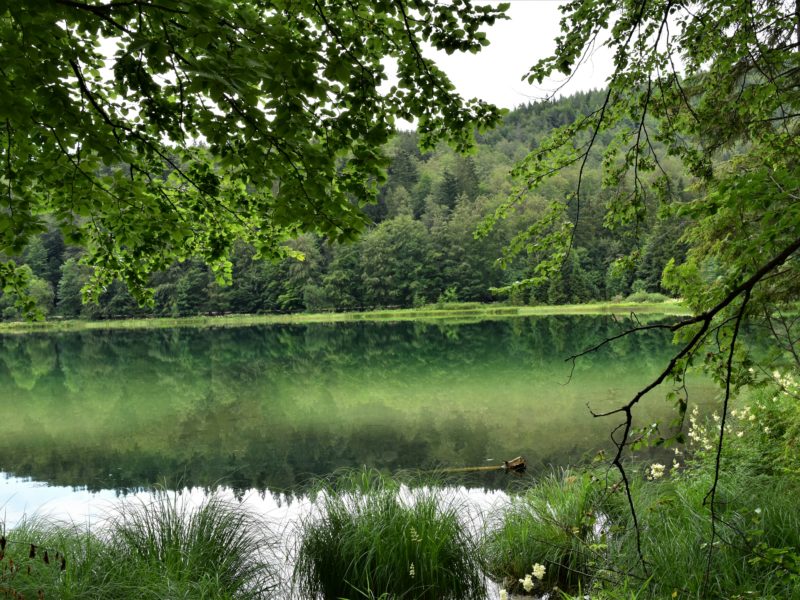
column 150, row 132
column 730, row 115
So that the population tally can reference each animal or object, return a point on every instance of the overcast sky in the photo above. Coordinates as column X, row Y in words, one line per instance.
column 495, row 73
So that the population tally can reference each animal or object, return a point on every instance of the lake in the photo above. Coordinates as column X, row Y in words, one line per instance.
column 267, row 408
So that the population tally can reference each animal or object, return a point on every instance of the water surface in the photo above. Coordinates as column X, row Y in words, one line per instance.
column 268, row 407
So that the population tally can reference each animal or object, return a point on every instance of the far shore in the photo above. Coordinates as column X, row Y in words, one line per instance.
column 434, row 312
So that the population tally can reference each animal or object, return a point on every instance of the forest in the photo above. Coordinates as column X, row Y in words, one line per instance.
column 421, row 248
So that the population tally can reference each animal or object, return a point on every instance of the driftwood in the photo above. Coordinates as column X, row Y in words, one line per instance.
column 516, row 465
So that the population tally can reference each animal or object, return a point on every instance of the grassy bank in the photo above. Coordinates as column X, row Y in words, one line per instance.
column 450, row 312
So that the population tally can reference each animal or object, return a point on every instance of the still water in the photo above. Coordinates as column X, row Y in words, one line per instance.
column 263, row 409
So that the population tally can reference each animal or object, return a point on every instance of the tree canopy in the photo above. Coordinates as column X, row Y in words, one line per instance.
column 154, row 131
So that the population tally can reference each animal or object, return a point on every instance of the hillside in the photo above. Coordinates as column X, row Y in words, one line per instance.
column 420, row 249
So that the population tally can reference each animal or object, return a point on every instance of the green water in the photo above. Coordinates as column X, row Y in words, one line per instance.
column 267, row 407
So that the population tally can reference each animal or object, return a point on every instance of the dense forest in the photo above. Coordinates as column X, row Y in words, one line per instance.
column 421, row 248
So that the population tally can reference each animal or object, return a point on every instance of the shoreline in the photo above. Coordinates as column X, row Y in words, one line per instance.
column 428, row 313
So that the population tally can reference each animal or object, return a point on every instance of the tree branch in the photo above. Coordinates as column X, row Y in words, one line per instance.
column 712, row 493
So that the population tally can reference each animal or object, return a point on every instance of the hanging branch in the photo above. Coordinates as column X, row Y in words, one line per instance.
column 712, row 493
column 705, row 319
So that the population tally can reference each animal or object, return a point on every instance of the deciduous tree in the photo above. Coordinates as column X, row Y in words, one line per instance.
column 156, row 131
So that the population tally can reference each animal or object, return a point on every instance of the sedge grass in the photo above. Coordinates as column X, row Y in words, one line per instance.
column 48, row 559
column 754, row 514
column 551, row 523
column 159, row 549
column 373, row 538
column 216, row 550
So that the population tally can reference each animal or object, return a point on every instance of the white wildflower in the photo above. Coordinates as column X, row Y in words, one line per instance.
column 752, row 417
column 675, row 464
column 415, row 536
column 739, row 433
column 503, row 595
column 539, row 571
column 758, row 511
column 527, row 583
column 656, row 471
column 412, row 571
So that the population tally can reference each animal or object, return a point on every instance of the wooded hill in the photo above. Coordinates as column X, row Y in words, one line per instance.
column 421, row 249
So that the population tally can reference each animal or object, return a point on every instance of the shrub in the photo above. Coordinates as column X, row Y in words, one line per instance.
column 653, row 297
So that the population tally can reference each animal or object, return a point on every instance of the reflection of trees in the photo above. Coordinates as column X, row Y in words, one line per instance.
column 28, row 359
column 268, row 407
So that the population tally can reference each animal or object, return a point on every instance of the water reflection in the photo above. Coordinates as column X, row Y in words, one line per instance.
column 269, row 407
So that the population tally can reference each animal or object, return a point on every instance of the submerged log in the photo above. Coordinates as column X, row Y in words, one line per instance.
column 516, row 465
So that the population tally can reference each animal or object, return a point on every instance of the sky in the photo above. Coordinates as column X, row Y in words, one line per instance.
column 495, row 73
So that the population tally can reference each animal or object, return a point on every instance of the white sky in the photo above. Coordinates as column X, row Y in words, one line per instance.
column 495, row 73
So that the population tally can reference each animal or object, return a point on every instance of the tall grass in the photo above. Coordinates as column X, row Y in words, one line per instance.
column 754, row 514
column 373, row 538
column 164, row 548
column 215, row 550
column 58, row 566
column 551, row 523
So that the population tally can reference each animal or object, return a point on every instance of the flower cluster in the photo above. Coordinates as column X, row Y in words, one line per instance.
column 699, row 434
column 656, row 471
column 786, row 381
column 528, row 584
column 755, row 418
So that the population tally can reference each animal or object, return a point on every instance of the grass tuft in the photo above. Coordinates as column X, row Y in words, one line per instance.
column 551, row 523
column 373, row 538
column 161, row 549
column 216, row 550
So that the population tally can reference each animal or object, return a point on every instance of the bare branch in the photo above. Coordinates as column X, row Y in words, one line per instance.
column 712, row 493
